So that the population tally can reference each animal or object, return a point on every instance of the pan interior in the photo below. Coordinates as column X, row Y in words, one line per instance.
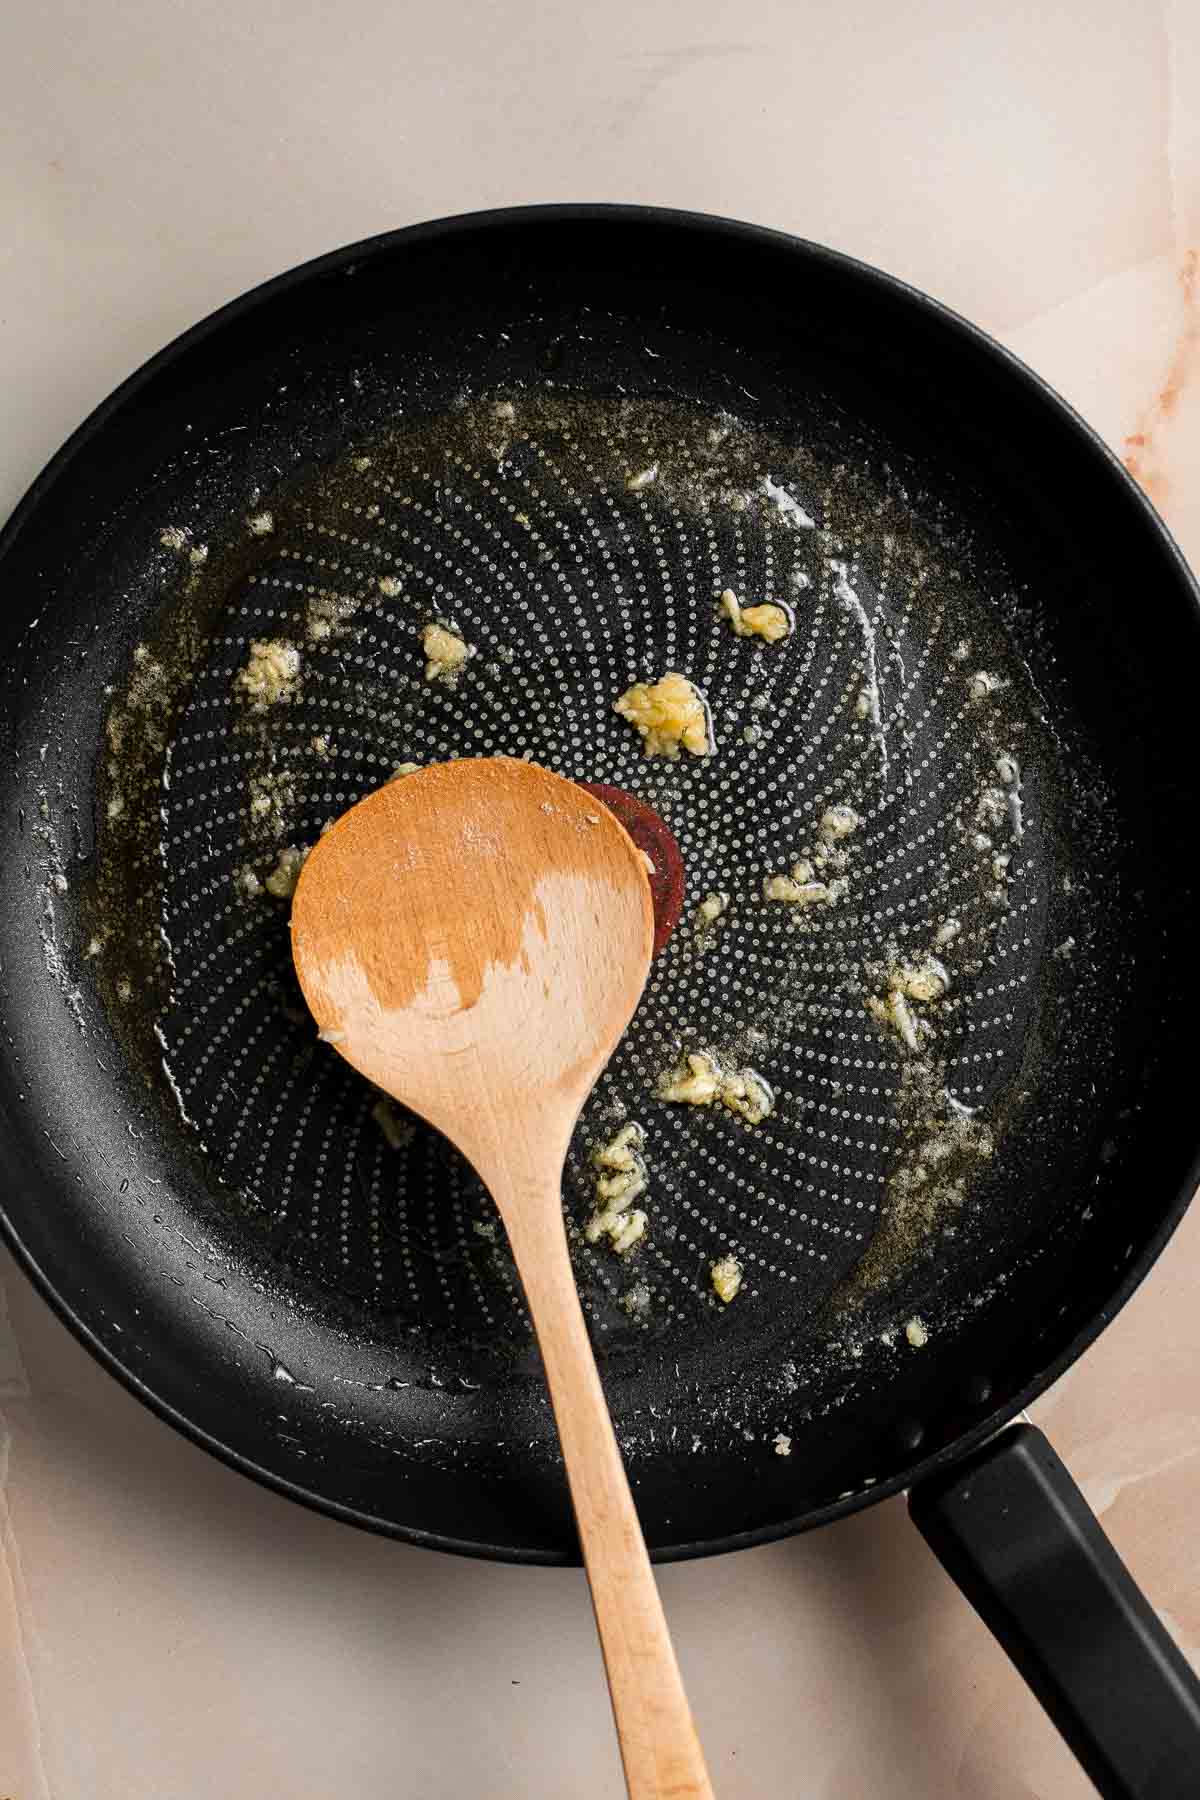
column 577, row 526
column 580, row 546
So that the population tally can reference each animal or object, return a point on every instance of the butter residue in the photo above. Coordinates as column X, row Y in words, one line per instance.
column 328, row 615
column 983, row 684
column 445, row 653
column 271, row 795
column 770, row 621
column 621, row 1178
column 636, row 1300
column 668, row 713
column 699, row 1079
column 785, row 503
column 397, row 1129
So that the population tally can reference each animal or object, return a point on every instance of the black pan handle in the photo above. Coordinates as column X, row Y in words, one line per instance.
column 1013, row 1530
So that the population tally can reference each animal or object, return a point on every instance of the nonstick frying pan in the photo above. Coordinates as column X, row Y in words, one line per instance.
column 565, row 432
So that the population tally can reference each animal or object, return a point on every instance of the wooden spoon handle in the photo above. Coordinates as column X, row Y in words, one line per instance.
column 659, row 1746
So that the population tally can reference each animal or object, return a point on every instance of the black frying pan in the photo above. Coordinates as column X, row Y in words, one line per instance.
column 567, row 431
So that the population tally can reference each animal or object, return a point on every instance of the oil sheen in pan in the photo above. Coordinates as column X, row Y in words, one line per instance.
column 577, row 546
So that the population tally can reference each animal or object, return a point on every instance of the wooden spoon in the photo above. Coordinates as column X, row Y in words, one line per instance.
column 474, row 938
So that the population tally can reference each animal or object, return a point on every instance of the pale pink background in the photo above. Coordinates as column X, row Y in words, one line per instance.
column 169, row 1632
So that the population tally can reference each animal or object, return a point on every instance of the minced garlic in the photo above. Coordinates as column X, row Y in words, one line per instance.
column 283, row 877
column 621, row 1178
column 668, row 713
column 894, row 1010
column 696, row 1082
column 622, row 1174
column 708, row 914
column 837, row 822
column 924, row 981
column 629, row 1229
column 445, row 653
column 271, row 674
column 743, row 1091
column 700, row 1079
column 804, row 887
column 803, row 892
column 770, row 621
column 726, row 1275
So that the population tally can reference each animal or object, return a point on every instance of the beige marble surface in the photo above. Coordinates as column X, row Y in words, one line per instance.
column 168, row 1631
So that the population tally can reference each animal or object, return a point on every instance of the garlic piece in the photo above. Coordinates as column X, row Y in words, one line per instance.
column 696, row 1082
column 667, row 714
column 271, row 674
column 726, row 1275
column 838, row 822
column 445, row 653
column 700, row 1079
column 621, row 1179
column 770, row 621
column 283, row 877
column 925, row 981
column 798, row 893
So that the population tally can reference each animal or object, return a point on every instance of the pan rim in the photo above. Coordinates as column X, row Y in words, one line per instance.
column 804, row 252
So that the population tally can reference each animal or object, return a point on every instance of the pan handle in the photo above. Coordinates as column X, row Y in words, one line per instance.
column 1010, row 1526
